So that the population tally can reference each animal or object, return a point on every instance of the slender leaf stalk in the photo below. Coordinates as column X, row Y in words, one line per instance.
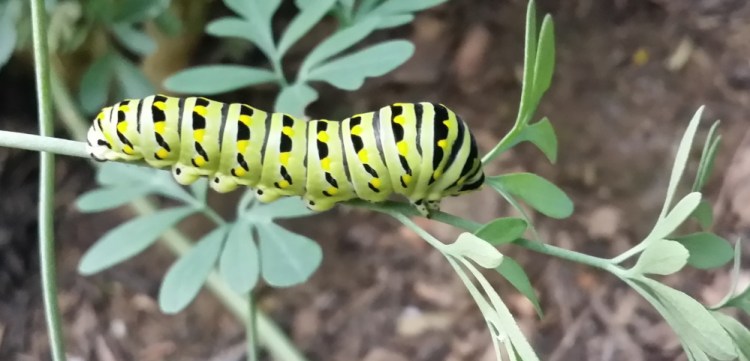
column 46, row 182
column 251, row 329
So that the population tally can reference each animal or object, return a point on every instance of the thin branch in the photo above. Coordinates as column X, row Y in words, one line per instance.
column 46, row 183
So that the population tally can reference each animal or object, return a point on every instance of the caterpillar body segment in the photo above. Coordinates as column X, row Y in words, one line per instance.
column 422, row 151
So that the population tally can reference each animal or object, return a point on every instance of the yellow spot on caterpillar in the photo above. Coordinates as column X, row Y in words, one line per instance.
column 283, row 184
column 406, row 178
column 127, row 149
column 200, row 110
column 246, row 119
column 198, row 134
column 239, row 171
column 375, row 182
column 323, row 136
column 362, row 155
column 399, row 119
column 199, row 161
column 124, row 108
column 162, row 153
column 242, row 146
column 159, row 127
column 357, row 130
column 100, row 115
column 325, row 163
column 108, row 137
column 122, row 127
column 403, row 147
column 284, row 158
column 332, row 191
column 442, row 143
column 160, row 105
column 437, row 174
column 288, row 131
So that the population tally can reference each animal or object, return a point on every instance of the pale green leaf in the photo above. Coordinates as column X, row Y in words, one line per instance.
column 133, row 11
column 476, row 249
column 169, row 23
column 258, row 14
column 536, row 191
column 295, row 98
column 364, row 8
column 681, row 211
column 214, row 79
column 129, row 239
column 8, row 33
column 114, row 173
column 544, row 64
column 200, row 189
column 102, row 199
column 337, row 43
column 739, row 333
column 132, row 80
column 349, row 72
column 95, row 84
column 514, row 273
column 302, row 23
column 741, row 300
column 707, row 250
column 239, row 263
column 704, row 214
column 661, row 257
column 135, row 40
column 229, row 27
column 400, row 6
column 186, row 276
column 683, row 151
column 286, row 258
column 502, row 230
column 289, row 207
column 526, row 106
column 708, row 155
column 542, row 134
column 393, row 21
column 692, row 321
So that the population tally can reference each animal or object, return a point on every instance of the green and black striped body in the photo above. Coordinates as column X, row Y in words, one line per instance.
column 422, row 151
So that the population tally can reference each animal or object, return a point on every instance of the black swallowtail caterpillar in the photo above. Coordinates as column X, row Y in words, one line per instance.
column 422, row 151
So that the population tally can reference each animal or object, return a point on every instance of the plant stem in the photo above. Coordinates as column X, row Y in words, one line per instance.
column 251, row 328
column 43, row 144
column 46, row 182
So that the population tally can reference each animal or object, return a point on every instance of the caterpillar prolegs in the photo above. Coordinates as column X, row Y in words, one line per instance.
column 422, row 151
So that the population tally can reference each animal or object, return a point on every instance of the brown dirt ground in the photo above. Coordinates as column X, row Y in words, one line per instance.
column 629, row 76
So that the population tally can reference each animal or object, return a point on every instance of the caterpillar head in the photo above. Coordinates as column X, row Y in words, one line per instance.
column 97, row 143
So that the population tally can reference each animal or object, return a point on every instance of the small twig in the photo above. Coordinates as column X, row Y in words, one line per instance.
column 46, row 183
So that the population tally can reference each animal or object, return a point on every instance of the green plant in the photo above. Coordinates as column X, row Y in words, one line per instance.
column 704, row 331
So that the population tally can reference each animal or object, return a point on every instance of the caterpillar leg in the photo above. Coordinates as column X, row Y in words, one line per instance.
column 318, row 204
column 426, row 207
column 266, row 195
column 223, row 183
column 184, row 175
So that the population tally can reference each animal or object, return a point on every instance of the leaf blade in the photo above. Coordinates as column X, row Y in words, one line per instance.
column 350, row 71
column 128, row 239
column 536, row 191
column 215, row 79
column 185, row 277
column 286, row 258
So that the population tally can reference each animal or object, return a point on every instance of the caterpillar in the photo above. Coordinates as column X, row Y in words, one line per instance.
column 423, row 151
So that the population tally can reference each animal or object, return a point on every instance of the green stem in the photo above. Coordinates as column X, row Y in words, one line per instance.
column 43, row 144
column 251, row 328
column 46, row 182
